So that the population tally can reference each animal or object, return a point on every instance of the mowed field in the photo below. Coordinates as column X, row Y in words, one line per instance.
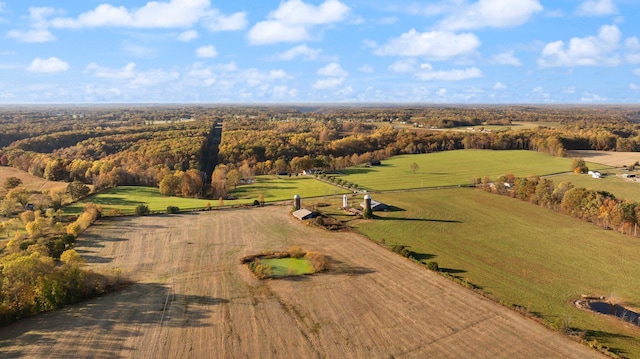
column 452, row 168
column 192, row 299
column 609, row 158
column 29, row 181
column 272, row 188
column 519, row 253
column 612, row 182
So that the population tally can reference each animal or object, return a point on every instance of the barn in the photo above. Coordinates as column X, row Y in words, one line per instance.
column 375, row 206
column 304, row 213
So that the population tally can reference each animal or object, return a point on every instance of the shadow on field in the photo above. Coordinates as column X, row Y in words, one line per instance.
column 602, row 336
column 422, row 256
column 417, row 219
column 105, row 323
column 338, row 267
column 104, row 200
column 452, row 271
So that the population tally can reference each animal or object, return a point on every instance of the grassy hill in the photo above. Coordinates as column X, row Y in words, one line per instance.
column 519, row 253
column 455, row 168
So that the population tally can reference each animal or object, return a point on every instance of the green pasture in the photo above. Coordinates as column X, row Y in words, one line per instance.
column 620, row 187
column 282, row 267
column 281, row 188
column 127, row 198
column 451, row 168
column 518, row 253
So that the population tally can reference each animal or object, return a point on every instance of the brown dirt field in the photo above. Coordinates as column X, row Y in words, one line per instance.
column 617, row 159
column 29, row 181
column 372, row 304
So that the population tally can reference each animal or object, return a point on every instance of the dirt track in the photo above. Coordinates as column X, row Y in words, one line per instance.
column 373, row 304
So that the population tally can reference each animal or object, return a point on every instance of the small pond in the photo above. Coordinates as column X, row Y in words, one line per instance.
column 617, row 310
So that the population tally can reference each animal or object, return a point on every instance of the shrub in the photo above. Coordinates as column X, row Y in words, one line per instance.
column 256, row 202
column 142, row 210
column 401, row 250
column 296, row 252
column 320, row 262
column 433, row 266
column 172, row 210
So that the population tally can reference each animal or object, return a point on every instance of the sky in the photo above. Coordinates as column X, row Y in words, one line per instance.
column 310, row 51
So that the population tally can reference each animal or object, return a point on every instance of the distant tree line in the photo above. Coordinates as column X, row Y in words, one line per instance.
column 598, row 207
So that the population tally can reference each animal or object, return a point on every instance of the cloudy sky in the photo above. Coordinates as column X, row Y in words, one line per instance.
column 292, row 51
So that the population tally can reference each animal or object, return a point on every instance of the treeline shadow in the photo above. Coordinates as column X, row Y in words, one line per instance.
column 120, row 315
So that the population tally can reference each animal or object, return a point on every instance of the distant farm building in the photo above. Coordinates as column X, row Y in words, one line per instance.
column 304, row 213
column 312, row 172
column 375, row 163
column 375, row 206
column 629, row 175
column 595, row 174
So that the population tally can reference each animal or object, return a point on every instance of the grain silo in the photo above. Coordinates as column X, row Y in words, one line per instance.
column 296, row 202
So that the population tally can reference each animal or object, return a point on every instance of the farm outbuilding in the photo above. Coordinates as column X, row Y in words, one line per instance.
column 304, row 213
column 375, row 205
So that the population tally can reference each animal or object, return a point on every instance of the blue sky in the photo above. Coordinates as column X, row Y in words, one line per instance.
column 293, row 51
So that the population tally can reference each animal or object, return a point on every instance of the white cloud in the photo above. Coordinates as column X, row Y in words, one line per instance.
column 300, row 51
column 634, row 87
column 499, row 86
column 153, row 78
column 206, row 51
column 404, row 66
column 333, row 69
column 586, row 51
column 284, row 92
column 254, row 77
column 293, row 20
column 427, row 74
column 218, row 22
column 591, row 97
column 98, row 71
column 490, row 13
column 632, row 44
column 596, row 8
column 188, row 36
column 50, row 65
column 434, row 45
column 570, row 90
column 136, row 78
column 507, row 58
column 366, row 69
column 636, row 72
column 332, row 82
column 154, row 14
column 31, row 36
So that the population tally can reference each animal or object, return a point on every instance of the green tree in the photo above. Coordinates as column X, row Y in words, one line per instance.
column 78, row 190
column 142, row 210
column 12, row 182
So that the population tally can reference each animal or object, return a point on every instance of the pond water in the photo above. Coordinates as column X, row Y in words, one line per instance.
column 617, row 310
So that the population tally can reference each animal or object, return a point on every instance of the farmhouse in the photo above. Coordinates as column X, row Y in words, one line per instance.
column 375, row 206
column 312, row 172
column 595, row 174
column 304, row 213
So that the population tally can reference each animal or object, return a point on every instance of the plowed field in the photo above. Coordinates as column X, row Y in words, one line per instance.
column 192, row 299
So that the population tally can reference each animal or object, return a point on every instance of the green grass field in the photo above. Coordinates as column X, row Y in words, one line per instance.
column 282, row 267
column 519, row 253
column 620, row 187
column 127, row 198
column 452, row 168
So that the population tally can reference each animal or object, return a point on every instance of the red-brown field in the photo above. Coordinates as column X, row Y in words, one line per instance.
column 609, row 158
column 193, row 299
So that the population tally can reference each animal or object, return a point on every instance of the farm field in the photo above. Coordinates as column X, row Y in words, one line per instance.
column 30, row 181
column 609, row 158
column 519, row 253
column 126, row 198
column 192, row 298
column 620, row 187
column 452, row 168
